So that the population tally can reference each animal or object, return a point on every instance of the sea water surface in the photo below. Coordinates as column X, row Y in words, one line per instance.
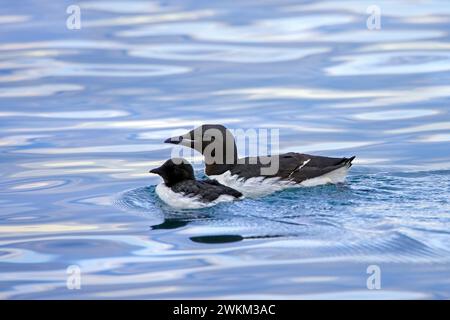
column 84, row 112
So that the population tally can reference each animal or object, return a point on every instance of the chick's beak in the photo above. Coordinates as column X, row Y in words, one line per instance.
column 155, row 171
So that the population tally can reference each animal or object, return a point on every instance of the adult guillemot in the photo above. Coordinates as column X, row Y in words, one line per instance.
column 181, row 190
column 251, row 175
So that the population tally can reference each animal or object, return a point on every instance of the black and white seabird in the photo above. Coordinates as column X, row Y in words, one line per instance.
column 181, row 190
column 247, row 174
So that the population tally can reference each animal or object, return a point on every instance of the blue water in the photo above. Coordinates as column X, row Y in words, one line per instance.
column 84, row 112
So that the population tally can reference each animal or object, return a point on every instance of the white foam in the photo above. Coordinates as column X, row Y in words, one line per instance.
column 182, row 201
column 258, row 186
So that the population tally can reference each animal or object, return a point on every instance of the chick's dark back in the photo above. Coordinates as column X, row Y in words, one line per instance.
column 207, row 190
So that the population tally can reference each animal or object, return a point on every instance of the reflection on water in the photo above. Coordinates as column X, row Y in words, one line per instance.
column 395, row 114
column 84, row 113
column 392, row 63
column 37, row 91
column 224, row 53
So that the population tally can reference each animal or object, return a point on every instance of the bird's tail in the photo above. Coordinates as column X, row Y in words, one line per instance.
column 348, row 161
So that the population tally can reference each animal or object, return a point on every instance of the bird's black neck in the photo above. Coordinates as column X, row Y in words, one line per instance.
column 217, row 164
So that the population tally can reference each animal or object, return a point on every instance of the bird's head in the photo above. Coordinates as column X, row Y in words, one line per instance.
column 175, row 170
column 214, row 141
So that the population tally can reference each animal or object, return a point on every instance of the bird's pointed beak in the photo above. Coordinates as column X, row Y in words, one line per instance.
column 174, row 140
column 184, row 140
column 155, row 171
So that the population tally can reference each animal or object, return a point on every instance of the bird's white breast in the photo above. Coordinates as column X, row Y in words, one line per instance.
column 182, row 201
column 258, row 186
column 252, row 187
